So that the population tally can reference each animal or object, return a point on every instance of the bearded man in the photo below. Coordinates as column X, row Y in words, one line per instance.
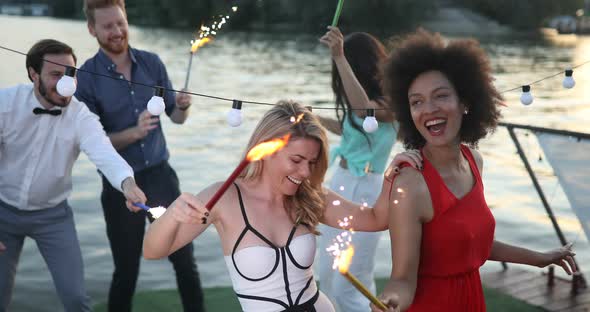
column 139, row 138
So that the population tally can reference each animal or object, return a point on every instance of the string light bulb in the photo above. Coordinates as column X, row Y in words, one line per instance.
column 234, row 116
column 370, row 123
column 568, row 80
column 66, row 86
column 156, row 104
column 526, row 98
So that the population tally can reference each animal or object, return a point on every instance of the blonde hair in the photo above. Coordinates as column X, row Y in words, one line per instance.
column 288, row 117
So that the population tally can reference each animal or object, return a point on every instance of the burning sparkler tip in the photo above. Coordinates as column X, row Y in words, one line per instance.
column 267, row 148
column 157, row 212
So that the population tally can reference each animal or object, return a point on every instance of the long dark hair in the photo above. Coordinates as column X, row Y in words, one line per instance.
column 365, row 54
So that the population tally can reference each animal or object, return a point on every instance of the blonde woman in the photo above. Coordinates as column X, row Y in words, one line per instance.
column 267, row 220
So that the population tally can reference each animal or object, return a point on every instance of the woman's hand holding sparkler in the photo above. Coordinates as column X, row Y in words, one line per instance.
column 391, row 300
column 179, row 225
column 189, row 209
column 335, row 41
column 133, row 194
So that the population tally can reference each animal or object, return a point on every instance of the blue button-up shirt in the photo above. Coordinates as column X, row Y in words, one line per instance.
column 119, row 103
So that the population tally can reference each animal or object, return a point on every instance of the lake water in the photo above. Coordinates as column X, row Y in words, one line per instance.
column 263, row 67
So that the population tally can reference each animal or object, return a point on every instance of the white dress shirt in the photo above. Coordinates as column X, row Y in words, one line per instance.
column 37, row 152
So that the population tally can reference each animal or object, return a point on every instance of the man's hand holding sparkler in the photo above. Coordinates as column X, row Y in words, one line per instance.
column 133, row 194
column 183, row 101
column 180, row 112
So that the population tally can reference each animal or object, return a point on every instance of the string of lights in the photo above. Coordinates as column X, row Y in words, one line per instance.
column 66, row 87
column 526, row 97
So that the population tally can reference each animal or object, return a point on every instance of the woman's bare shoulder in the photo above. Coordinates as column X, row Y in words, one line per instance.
column 410, row 192
column 477, row 157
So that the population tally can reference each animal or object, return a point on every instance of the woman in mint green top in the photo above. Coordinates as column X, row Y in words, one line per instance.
column 356, row 82
column 365, row 152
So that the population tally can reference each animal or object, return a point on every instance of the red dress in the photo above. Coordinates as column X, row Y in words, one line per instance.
column 455, row 243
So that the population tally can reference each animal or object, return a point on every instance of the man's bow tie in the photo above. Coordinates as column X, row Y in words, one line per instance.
column 52, row 112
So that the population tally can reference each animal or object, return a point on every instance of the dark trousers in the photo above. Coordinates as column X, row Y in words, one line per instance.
column 125, row 231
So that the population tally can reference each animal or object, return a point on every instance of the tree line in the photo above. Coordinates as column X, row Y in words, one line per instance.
column 378, row 16
column 524, row 14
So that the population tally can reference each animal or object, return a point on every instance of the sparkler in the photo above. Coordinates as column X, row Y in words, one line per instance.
column 156, row 212
column 256, row 153
column 337, row 13
column 342, row 240
column 296, row 120
column 342, row 250
column 344, row 261
column 205, row 35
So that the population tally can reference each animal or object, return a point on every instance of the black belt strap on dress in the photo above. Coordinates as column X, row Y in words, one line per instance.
column 306, row 306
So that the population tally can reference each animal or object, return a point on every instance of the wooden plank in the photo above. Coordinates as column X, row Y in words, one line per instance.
column 532, row 287
column 570, row 302
column 523, row 290
column 581, row 308
column 548, row 296
column 506, row 278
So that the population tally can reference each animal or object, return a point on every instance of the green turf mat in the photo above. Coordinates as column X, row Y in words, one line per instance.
column 224, row 299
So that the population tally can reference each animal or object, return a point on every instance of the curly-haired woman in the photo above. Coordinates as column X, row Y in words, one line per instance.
column 441, row 228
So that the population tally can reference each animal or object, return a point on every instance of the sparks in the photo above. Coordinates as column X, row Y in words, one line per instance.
column 206, row 34
column 157, row 211
column 341, row 241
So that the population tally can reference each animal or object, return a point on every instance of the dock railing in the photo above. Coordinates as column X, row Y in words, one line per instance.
column 578, row 280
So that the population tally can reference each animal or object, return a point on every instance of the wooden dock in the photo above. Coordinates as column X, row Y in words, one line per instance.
column 538, row 289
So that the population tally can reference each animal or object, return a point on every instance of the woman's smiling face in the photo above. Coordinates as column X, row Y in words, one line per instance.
column 293, row 164
column 435, row 107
